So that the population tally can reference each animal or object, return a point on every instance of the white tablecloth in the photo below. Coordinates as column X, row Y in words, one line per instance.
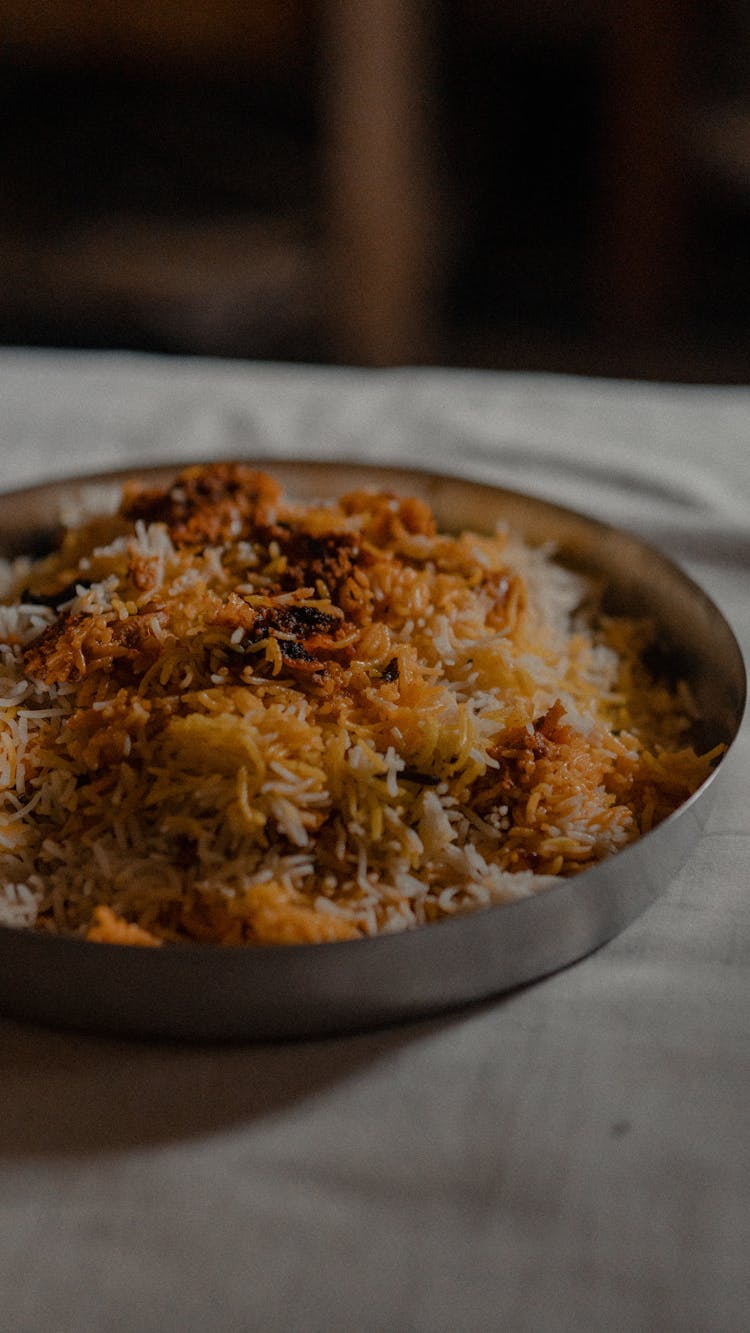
column 573, row 1157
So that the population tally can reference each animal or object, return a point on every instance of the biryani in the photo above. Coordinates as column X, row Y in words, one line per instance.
column 233, row 718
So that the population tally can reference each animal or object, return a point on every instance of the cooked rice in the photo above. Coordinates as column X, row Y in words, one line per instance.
column 229, row 717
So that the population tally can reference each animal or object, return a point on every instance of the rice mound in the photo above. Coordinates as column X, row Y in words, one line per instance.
column 232, row 718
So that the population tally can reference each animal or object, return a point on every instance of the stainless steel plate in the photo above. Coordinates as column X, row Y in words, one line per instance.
column 203, row 991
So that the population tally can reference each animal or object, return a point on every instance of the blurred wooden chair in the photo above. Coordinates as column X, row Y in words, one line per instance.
column 377, row 269
column 383, row 198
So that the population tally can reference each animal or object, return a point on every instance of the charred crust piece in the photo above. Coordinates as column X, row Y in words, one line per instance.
column 335, row 560
column 307, row 637
column 329, row 557
column 207, row 505
column 301, row 621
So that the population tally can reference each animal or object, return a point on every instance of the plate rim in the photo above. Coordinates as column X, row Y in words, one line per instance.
column 378, row 944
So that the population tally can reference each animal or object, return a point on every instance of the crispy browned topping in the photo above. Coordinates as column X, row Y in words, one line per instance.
column 207, row 505
column 234, row 613
column 529, row 760
column 95, row 738
column 144, row 571
column 332, row 564
column 77, row 644
column 389, row 517
column 306, row 636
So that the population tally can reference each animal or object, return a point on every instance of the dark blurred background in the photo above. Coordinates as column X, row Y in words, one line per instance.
column 530, row 185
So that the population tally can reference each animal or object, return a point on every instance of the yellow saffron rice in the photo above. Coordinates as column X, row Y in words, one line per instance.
column 233, row 718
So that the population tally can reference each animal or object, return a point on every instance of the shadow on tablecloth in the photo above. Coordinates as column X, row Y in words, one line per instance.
column 69, row 1094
